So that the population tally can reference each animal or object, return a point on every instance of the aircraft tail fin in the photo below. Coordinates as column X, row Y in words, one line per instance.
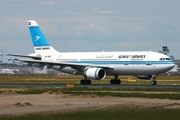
column 40, row 43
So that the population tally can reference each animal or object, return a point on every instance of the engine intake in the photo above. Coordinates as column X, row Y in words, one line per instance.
column 95, row 73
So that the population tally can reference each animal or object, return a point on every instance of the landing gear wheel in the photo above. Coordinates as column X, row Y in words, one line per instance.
column 82, row 82
column 114, row 81
column 85, row 82
column 89, row 82
column 154, row 82
column 119, row 81
column 111, row 81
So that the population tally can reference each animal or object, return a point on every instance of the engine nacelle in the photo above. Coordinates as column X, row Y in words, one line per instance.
column 95, row 73
column 147, row 77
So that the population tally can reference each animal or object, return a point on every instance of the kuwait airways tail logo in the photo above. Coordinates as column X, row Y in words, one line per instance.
column 29, row 23
column 37, row 38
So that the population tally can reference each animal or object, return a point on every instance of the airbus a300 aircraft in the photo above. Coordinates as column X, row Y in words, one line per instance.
column 95, row 65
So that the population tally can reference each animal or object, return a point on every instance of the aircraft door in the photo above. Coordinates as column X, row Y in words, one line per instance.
column 148, row 60
column 148, row 64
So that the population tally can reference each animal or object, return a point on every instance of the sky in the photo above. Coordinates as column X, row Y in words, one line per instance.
column 92, row 25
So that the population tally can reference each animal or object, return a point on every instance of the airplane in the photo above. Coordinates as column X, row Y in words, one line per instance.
column 95, row 65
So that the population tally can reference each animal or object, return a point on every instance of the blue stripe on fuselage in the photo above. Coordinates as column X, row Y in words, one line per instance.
column 121, row 62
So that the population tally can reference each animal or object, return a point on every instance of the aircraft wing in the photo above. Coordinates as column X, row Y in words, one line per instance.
column 64, row 64
column 27, row 56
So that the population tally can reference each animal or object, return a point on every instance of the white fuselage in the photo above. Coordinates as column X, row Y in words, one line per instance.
column 120, row 63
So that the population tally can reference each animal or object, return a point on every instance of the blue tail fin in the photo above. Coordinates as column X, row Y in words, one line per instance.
column 39, row 41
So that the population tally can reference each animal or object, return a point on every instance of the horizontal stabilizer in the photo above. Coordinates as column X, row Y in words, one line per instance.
column 27, row 56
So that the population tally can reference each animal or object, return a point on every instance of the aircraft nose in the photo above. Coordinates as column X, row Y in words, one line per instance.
column 171, row 66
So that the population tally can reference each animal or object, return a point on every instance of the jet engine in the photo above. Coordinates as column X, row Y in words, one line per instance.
column 147, row 77
column 95, row 73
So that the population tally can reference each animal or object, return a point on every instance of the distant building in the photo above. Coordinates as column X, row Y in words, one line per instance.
column 164, row 50
column 172, row 58
column 13, row 68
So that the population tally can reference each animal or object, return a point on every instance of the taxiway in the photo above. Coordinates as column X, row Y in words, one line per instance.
column 89, row 86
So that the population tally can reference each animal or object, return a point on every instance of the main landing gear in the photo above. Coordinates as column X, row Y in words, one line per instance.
column 85, row 81
column 154, row 82
column 115, row 80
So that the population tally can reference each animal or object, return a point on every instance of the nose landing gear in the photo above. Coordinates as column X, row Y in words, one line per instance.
column 154, row 82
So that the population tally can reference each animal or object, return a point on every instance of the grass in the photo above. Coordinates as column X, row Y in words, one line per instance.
column 106, row 114
column 75, row 79
column 154, row 113
column 136, row 92
column 37, row 90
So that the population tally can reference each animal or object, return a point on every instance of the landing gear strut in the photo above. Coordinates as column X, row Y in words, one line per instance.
column 115, row 80
column 154, row 82
column 85, row 81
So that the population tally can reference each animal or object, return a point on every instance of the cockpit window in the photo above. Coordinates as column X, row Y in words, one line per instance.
column 164, row 59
